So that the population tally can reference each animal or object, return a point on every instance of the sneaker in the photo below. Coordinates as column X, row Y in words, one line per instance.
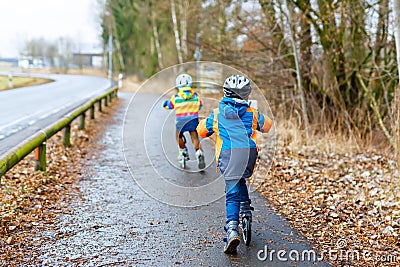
column 200, row 158
column 232, row 239
column 183, row 152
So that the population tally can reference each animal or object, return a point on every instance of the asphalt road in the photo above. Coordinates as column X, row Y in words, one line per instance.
column 26, row 110
column 125, row 221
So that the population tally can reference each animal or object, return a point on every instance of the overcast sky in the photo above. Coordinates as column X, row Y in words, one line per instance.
column 21, row 20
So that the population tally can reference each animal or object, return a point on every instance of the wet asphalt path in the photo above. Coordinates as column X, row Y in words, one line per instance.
column 118, row 224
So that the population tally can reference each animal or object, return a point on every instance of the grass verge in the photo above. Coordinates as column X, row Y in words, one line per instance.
column 18, row 81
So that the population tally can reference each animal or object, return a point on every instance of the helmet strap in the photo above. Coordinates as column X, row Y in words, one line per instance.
column 231, row 94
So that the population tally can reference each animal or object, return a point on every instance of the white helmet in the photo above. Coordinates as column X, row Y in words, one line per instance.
column 237, row 86
column 183, row 80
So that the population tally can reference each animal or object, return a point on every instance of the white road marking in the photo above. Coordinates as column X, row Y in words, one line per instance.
column 30, row 119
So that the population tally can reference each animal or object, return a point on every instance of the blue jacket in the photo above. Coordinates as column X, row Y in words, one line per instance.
column 235, row 125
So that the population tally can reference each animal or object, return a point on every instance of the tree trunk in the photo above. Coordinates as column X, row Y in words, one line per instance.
column 176, row 32
column 118, row 45
column 221, row 37
column 305, row 51
column 298, row 72
column 269, row 9
column 157, row 41
column 382, row 29
column 396, row 13
column 158, row 47
column 120, row 55
column 222, row 23
column 396, row 109
column 380, row 52
column 183, row 6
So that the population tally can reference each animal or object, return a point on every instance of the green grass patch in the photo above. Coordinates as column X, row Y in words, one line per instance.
column 19, row 81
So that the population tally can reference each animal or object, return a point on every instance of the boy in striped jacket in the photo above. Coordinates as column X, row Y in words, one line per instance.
column 186, row 104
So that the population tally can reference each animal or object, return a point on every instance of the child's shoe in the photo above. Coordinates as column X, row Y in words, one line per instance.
column 232, row 239
column 183, row 152
column 200, row 158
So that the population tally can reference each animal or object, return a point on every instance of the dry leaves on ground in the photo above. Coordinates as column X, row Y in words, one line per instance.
column 343, row 203
column 31, row 200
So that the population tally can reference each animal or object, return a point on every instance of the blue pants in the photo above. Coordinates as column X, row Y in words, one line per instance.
column 236, row 192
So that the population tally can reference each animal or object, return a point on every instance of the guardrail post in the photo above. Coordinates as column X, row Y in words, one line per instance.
column 106, row 101
column 92, row 112
column 67, row 135
column 100, row 109
column 10, row 80
column 83, row 117
column 40, row 157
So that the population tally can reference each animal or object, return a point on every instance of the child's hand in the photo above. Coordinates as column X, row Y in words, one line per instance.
column 166, row 104
column 202, row 129
column 267, row 124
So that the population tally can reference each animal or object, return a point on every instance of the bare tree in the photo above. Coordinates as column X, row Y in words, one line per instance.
column 183, row 10
column 117, row 43
column 157, row 40
column 396, row 12
column 176, row 32
column 298, row 71
column 338, row 54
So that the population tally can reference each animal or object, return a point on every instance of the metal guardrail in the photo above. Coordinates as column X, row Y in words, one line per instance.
column 38, row 140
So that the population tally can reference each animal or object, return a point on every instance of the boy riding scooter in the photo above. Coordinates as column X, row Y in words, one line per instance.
column 235, row 124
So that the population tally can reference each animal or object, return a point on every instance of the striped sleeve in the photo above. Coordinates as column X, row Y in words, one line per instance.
column 169, row 104
column 201, row 101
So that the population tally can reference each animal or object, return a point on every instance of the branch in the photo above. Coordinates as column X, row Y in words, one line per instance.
column 377, row 112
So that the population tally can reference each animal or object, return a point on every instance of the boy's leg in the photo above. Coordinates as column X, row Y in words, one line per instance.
column 243, row 191
column 236, row 192
column 245, row 201
column 232, row 202
column 195, row 140
column 183, row 152
column 199, row 152
column 179, row 139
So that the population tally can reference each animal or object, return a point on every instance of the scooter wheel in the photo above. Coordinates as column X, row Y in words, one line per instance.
column 246, row 226
column 183, row 163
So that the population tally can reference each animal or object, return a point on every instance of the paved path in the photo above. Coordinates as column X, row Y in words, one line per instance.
column 119, row 225
column 26, row 110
